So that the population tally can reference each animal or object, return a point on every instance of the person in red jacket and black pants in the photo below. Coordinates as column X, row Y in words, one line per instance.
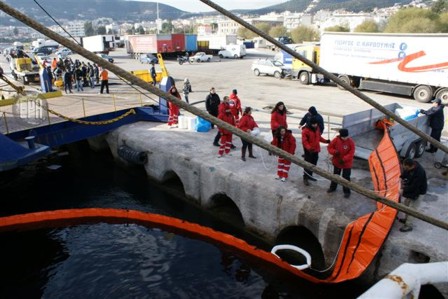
column 311, row 139
column 286, row 141
column 247, row 124
column 342, row 148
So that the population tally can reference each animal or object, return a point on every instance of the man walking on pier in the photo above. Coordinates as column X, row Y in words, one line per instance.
column 342, row 148
column 414, row 184
column 104, row 76
column 436, row 121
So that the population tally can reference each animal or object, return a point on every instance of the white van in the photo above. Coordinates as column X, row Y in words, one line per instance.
column 233, row 51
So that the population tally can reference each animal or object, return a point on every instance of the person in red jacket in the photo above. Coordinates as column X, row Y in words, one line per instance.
column 173, row 110
column 286, row 141
column 235, row 105
column 247, row 124
column 311, row 139
column 225, row 114
column 342, row 148
column 278, row 117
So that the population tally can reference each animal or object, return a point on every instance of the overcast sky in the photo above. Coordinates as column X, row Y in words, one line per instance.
column 198, row 6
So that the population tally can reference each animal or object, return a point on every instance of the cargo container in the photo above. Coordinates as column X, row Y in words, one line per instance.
column 218, row 42
column 178, row 42
column 139, row 44
column 405, row 64
column 191, row 42
column 99, row 43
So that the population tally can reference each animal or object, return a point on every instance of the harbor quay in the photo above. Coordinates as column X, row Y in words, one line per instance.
column 247, row 194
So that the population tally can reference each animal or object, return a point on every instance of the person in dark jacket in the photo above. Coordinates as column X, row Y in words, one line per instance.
column 311, row 139
column 342, row 148
column 436, row 121
column 414, row 184
column 312, row 112
column 212, row 102
column 152, row 72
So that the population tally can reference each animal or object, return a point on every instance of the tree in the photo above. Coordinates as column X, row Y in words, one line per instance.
column 130, row 31
column 15, row 31
column 440, row 6
column 245, row 33
column 443, row 22
column 398, row 21
column 101, row 30
column 264, row 27
column 278, row 31
column 367, row 26
column 167, row 27
column 140, row 30
column 304, row 33
column 338, row 28
column 88, row 29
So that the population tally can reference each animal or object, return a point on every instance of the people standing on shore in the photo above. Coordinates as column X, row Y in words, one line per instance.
column 311, row 139
column 212, row 102
column 225, row 114
column 278, row 117
column 414, row 184
column 436, row 121
column 68, row 78
column 312, row 112
column 284, row 140
column 342, row 148
column 104, row 76
column 186, row 89
column 173, row 109
column 152, row 72
column 235, row 105
column 247, row 124
column 78, row 78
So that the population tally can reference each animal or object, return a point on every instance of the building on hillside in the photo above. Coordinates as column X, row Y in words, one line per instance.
column 75, row 28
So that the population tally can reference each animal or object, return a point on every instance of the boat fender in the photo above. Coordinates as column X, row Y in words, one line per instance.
column 132, row 156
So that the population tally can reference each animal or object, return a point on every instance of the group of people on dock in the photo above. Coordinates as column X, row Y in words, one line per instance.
column 342, row 147
column 78, row 74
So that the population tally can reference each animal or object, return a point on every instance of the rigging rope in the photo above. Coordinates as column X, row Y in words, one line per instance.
column 275, row 150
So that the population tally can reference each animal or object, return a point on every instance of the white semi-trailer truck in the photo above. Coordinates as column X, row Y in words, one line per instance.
column 406, row 64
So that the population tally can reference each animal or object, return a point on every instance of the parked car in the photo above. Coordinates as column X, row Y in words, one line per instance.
column 201, row 57
column 270, row 67
column 64, row 52
column 148, row 58
column 107, row 57
column 46, row 50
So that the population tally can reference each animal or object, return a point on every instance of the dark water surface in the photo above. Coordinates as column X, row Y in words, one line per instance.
column 124, row 260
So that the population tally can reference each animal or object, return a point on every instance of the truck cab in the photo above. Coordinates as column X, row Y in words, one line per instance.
column 303, row 72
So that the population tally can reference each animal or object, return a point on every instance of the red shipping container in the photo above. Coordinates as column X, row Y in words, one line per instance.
column 164, row 43
column 178, row 40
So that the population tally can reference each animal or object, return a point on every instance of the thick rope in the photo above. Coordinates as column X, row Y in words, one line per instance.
column 275, row 150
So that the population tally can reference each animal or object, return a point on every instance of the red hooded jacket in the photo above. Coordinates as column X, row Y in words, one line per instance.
column 277, row 120
column 247, row 122
column 226, row 117
column 235, row 105
column 343, row 152
column 311, row 139
column 288, row 144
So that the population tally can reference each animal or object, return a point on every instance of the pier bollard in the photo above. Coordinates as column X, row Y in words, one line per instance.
column 30, row 141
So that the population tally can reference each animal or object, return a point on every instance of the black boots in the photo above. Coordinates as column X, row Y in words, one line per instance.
column 243, row 154
column 250, row 154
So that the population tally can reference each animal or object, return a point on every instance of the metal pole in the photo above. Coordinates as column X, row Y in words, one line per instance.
column 6, row 123
column 83, row 107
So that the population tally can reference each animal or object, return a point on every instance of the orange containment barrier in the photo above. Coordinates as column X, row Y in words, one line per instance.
column 64, row 218
column 364, row 237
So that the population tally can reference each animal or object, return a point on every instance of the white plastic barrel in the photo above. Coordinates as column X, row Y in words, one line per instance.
column 191, row 121
column 182, row 120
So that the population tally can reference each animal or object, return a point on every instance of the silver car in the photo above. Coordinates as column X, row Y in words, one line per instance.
column 270, row 67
